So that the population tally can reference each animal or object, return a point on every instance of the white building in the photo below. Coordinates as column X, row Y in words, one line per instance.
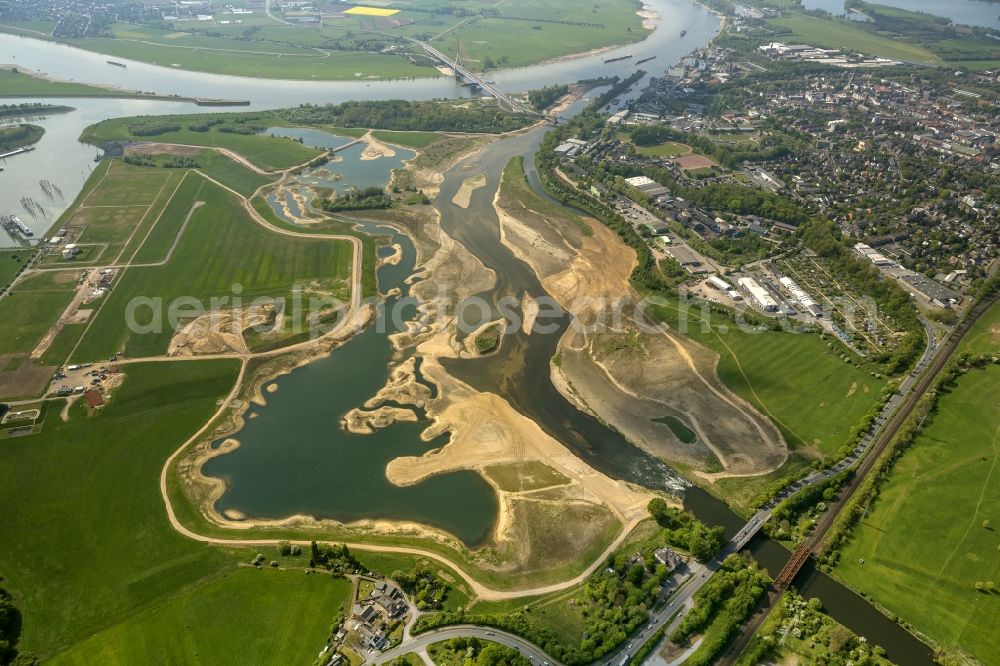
column 758, row 294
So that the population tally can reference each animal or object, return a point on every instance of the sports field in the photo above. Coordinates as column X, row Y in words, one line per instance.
column 931, row 535
column 266, row 152
column 219, row 248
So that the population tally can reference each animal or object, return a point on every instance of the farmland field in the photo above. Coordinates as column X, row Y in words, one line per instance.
column 221, row 247
column 267, row 152
column 84, row 572
column 984, row 337
column 285, row 617
column 32, row 306
column 829, row 33
column 930, row 536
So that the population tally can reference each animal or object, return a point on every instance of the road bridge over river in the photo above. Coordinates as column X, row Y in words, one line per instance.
column 462, row 72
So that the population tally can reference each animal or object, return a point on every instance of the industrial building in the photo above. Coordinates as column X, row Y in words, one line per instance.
column 758, row 294
column 804, row 299
column 719, row 283
column 647, row 186
column 872, row 255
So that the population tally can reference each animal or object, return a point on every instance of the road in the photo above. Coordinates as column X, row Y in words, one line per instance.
column 677, row 595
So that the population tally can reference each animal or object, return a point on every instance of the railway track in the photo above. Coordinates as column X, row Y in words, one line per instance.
column 815, row 539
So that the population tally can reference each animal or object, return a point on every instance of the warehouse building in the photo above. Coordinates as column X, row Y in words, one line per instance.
column 799, row 294
column 758, row 294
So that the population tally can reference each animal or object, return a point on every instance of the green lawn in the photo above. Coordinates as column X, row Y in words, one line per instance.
column 283, row 617
column 812, row 395
column 408, row 139
column 221, row 247
column 84, row 546
column 11, row 262
column 835, row 34
column 665, row 149
column 231, row 173
column 32, row 307
column 269, row 61
column 267, row 152
column 515, row 42
column 984, row 337
column 16, row 84
column 923, row 542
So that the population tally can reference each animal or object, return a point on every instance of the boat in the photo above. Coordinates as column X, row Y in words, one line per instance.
column 202, row 101
column 21, row 226
column 639, row 62
column 624, row 57
column 684, row 32
column 117, row 64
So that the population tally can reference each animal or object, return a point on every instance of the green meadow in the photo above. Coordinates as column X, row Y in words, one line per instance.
column 931, row 535
column 219, row 248
column 31, row 307
column 984, row 336
column 267, row 152
column 283, row 617
column 834, row 34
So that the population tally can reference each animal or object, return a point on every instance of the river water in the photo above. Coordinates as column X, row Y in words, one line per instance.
column 964, row 12
column 323, row 471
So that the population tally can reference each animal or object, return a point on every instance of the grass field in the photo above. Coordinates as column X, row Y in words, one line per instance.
column 231, row 173
column 795, row 379
column 221, row 247
column 923, row 542
column 984, row 337
column 267, row 152
column 32, row 307
column 83, row 546
column 11, row 262
column 829, row 33
column 526, row 36
column 227, row 56
column 408, row 139
column 16, row 84
column 285, row 617
column 661, row 150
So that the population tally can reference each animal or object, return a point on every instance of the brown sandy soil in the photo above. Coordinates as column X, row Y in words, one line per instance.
column 218, row 332
column 630, row 379
column 394, row 258
column 485, row 429
column 648, row 17
column 153, row 148
column 375, row 149
column 464, row 194
column 29, row 379
column 402, row 387
column 693, row 162
column 365, row 422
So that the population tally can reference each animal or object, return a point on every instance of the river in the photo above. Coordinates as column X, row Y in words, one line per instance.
column 977, row 13
column 316, row 464
column 64, row 161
